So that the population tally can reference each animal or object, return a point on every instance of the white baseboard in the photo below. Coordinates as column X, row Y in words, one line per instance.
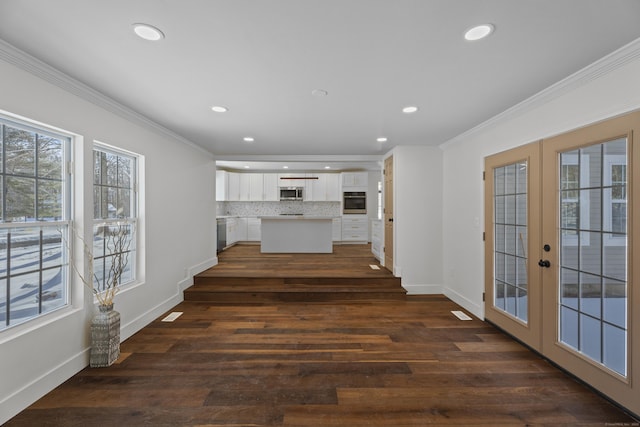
column 422, row 289
column 150, row 315
column 475, row 309
column 16, row 402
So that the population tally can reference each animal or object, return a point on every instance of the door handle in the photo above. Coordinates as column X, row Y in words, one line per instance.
column 390, row 219
column 544, row 263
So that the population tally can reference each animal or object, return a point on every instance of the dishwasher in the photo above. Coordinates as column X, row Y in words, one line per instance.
column 222, row 234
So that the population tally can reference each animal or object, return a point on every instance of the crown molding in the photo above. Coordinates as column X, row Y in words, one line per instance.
column 40, row 69
column 594, row 71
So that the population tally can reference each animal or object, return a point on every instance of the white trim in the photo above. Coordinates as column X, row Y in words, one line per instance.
column 150, row 315
column 38, row 68
column 17, row 401
column 423, row 289
column 467, row 304
column 603, row 66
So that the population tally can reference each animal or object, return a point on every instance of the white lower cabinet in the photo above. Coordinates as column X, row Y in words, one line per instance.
column 336, row 231
column 241, row 229
column 232, row 235
column 355, row 228
column 253, row 229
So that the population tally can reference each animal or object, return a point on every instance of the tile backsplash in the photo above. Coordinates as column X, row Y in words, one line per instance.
column 250, row 209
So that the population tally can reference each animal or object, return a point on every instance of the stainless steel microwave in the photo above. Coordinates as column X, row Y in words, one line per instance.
column 354, row 202
column 291, row 193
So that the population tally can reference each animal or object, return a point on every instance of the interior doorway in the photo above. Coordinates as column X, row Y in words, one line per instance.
column 388, row 213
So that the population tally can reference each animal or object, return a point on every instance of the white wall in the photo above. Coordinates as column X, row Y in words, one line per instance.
column 607, row 88
column 417, row 186
column 179, row 229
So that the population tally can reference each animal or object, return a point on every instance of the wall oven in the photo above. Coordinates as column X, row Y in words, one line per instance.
column 291, row 193
column 354, row 202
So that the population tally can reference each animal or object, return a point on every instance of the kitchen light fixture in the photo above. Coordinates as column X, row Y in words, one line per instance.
column 219, row 109
column 478, row 32
column 148, row 32
column 410, row 109
column 382, row 139
column 248, row 139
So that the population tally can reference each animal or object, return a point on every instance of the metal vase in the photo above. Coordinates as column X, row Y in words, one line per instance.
column 105, row 337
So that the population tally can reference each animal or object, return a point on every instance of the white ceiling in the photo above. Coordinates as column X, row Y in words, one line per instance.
column 263, row 59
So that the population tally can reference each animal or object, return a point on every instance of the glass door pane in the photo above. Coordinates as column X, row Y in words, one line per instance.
column 593, row 252
column 510, row 240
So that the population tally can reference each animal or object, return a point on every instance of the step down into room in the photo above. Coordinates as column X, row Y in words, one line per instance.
column 244, row 275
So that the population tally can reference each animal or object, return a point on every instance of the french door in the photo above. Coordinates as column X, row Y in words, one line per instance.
column 512, row 283
column 560, row 217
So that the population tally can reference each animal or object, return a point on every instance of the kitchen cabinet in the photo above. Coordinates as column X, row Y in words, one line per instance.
column 291, row 179
column 271, row 189
column 334, row 193
column 233, row 187
column 253, row 229
column 326, row 188
column 241, row 229
column 232, row 236
column 221, row 186
column 355, row 228
column 336, row 231
column 355, row 179
column 256, row 187
column 244, row 184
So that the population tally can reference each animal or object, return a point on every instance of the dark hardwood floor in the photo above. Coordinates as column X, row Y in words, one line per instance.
column 396, row 362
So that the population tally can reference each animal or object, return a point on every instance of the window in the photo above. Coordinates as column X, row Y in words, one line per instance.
column 115, row 216
column 34, row 221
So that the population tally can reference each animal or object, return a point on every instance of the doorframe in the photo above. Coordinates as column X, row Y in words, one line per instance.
column 530, row 332
column 589, row 371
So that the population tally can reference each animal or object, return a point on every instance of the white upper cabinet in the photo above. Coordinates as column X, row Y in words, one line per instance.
column 256, row 187
column 291, row 179
column 355, row 179
column 326, row 188
column 245, row 188
column 233, row 186
column 333, row 187
column 271, row 189
column 221, row 186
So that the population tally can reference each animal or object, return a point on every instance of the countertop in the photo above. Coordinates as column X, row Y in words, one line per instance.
column 297, row 217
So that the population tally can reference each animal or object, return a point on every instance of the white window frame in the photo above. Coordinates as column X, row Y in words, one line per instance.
column 132, row 222
column 46, row 228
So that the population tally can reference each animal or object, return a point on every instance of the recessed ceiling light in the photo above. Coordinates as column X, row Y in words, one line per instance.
column 327, row 167
column 285, row 167
column 148, row 32
column 219, row 109
column 246, row 166
column 479, row 32
column 382, row 139
column 410, row 109
column 248, row 139
column 319, row 92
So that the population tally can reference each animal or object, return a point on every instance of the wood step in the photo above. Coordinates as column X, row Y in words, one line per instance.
column 244, row 275
column 289, row 281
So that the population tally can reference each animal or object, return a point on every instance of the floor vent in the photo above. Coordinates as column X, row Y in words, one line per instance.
column 460, row 315
column 173, row 316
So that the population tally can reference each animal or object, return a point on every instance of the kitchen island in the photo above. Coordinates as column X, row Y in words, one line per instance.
column 296, row 234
